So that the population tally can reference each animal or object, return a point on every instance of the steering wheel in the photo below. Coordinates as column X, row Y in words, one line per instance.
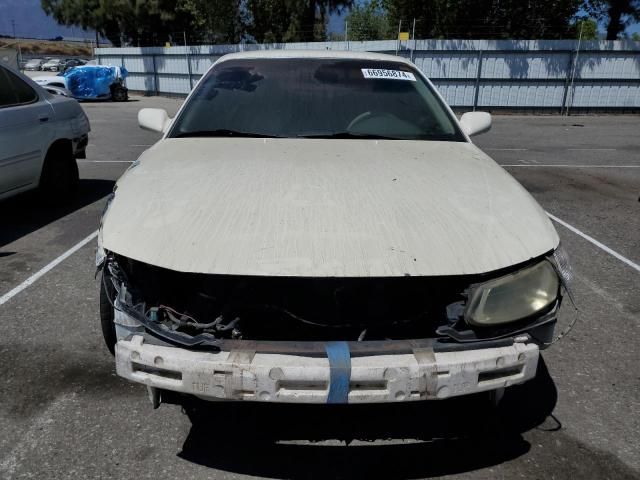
column 367, row 116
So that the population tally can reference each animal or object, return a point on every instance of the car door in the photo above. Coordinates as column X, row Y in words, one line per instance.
column 24, row 132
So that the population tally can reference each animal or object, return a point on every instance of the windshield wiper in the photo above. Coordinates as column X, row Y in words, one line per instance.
column 223, row 132
column 347, row 135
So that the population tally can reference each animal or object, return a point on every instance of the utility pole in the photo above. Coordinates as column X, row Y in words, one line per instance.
column 13, row 25
column 186, row 55
column 573, row 72
column 346, row 33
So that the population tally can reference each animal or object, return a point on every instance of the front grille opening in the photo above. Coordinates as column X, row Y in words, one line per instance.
column 294, row 308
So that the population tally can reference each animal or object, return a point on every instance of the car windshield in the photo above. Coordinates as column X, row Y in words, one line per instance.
column 316, row 98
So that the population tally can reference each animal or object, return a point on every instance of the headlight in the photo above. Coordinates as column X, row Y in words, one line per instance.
column 513, row 297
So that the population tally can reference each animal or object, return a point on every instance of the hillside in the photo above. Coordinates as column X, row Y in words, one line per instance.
column 46, row 47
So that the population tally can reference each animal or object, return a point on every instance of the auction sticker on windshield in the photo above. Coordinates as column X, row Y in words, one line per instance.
column 388, row 74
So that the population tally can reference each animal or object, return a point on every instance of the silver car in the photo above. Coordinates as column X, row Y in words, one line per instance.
column 53, row 65
column 41, row 135
column 34, row 64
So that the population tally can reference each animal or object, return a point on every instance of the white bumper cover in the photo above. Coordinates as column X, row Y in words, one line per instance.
column 246, row 375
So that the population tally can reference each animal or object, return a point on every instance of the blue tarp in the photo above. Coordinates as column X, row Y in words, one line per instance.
column 93, row 81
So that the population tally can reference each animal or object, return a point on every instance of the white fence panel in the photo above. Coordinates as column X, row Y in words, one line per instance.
column 468, row 73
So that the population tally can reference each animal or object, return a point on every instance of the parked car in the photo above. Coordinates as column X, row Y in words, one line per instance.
column 57, row 80
column 72, row 62
column 318, row 227
column 90, row 82
column 41, row 136
column 34, row 64
column 53, row 65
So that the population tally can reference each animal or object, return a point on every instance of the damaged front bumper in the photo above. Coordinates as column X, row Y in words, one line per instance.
column 327, row 372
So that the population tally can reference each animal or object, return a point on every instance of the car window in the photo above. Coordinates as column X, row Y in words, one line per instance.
column 325, row 98
column 25, row 94
column 7, row 96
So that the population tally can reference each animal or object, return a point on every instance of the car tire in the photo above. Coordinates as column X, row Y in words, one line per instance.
column 59, row 177
column 107, row 314
column 119, row 93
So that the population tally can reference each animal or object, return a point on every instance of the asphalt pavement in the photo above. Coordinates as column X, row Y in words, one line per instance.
column 65, row 414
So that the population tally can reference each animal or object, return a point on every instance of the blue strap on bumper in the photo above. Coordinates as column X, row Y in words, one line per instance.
column 339, row 371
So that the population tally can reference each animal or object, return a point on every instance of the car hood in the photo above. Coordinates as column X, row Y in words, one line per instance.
column 325, row 208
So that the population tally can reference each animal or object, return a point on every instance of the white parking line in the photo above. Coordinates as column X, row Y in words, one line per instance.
column 105, row 161
column 592, row 149
column 601, row 246
column 566, row 165
column 559, row 148
column 29, row 281
column 507, row 149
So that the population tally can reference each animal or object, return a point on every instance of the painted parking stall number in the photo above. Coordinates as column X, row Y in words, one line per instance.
column 388, row 74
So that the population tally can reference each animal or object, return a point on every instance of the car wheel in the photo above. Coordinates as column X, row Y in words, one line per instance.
column 59, row 178
column 119, row 93
column 106, row 313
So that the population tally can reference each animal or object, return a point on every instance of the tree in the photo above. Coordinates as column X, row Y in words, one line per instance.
column 635, row 37
column 369, row 22
column 618, row 14
column 272, row 21
column 488, row 19
column 149, row 22
column 588, row 27
column 291, row 20
column 213, row 21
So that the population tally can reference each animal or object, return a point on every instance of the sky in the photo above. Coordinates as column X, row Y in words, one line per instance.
column 32, row 22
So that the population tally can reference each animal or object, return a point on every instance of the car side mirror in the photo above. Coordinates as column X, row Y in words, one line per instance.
column 475, row 123
column 154, row 119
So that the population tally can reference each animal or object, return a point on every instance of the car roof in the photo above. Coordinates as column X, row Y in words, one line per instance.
column 330, row 54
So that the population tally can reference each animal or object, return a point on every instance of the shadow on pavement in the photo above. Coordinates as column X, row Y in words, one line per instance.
column 422, row 439
column 29, row 212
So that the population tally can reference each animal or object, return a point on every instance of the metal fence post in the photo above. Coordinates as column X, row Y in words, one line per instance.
column 122, row 66
column 413, row 50
column 155, row 74
column 478, row 77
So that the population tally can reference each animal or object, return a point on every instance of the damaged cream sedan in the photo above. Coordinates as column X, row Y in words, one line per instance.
column 317, row 227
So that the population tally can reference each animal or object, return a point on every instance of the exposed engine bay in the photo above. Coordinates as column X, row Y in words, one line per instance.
column 189, row 309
